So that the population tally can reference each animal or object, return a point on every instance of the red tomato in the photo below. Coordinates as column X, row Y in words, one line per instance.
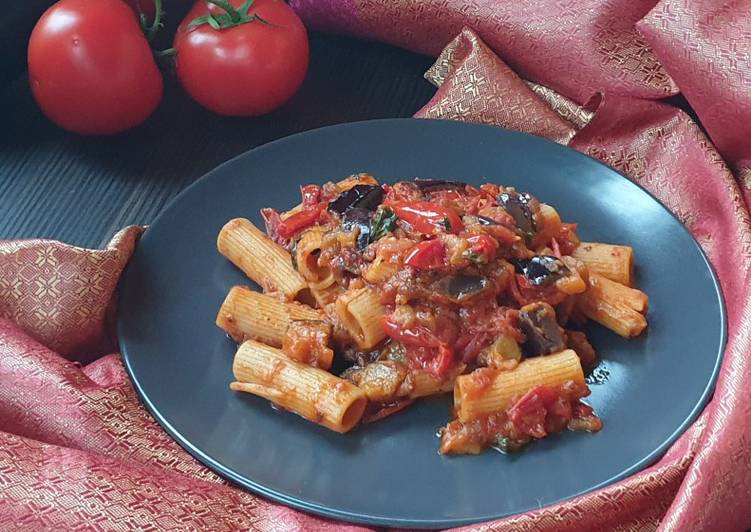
column 483, row 247
column 426, row 217
column 417, row 335
column 528, row 414
column 299, row 221
column 91, row 69
column 427, row 255
column 248, row 69
column 440, row 355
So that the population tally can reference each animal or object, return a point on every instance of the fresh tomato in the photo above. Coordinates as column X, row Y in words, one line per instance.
column 427, row 255
column 241, row 63
column 91, row 69
column 428, row 218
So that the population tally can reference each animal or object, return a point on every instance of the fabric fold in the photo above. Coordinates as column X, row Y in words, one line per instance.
column 706, row 48
column 77, row 448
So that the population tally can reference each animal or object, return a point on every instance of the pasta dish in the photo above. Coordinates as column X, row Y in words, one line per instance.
column 375, row 295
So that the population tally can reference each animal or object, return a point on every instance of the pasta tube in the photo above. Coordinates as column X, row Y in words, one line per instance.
column 312, row 393
column 361, row 313
column 306, row 254
column 612, row 262
column 264, row 261
column 424, row 384
column 485, row 391
column 380, row 270
column 247, row 314
column 615, row 306
column 327, row 295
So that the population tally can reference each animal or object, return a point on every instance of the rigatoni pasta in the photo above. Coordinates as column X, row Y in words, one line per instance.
column 246, row 314
column 421, row 288
column 610, row 261
column 262, row 260
column 361, row 313
column 615, row 306
column 487, row 390
column 314, row 394
column 307, row 251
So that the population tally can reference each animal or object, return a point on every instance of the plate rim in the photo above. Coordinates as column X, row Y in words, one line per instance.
column 299, row 503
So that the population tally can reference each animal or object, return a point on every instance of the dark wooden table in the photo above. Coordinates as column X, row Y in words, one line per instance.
column 80, row 190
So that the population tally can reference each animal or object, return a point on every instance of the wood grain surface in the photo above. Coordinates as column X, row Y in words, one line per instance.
column 81, row 190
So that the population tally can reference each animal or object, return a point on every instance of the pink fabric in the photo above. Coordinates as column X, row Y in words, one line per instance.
column 704, row 46
column 77, row 449
column 638, row 48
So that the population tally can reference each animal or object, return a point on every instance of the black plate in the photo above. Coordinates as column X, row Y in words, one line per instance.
column 390, row 473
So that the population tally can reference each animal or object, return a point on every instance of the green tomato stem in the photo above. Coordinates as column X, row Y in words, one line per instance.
column 231, row 11
column 152, row 30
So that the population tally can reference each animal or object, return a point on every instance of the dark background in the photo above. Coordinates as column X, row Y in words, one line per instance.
column 55, row 184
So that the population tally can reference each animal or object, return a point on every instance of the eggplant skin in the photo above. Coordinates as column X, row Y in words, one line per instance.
column 541, row 269
column 361, row 219
column 539, row 325
column 521, row 209
column 360, row 196
column 462, row 287
column 432, row 185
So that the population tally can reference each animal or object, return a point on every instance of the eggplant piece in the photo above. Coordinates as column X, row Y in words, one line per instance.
column 381, row 381
column 361, row 219
column 462, row 287
column 541, row 269
column 544, row 335
column 367, row 197
column 519, row 206
column 432, row 185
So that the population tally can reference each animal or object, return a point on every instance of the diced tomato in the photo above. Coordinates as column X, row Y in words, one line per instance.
column 311, row 195
column 416, row 335
column 421, row 337
column 427, row 218
column 528, row 414
column 272, row 220
column 302, row 220
column 582, row 410
column 474, row 344
column 442, row 362
column 483, row 246
column 446, row 327
column 427, row 255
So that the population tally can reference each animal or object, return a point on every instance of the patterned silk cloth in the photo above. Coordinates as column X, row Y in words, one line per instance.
column 79, row 452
